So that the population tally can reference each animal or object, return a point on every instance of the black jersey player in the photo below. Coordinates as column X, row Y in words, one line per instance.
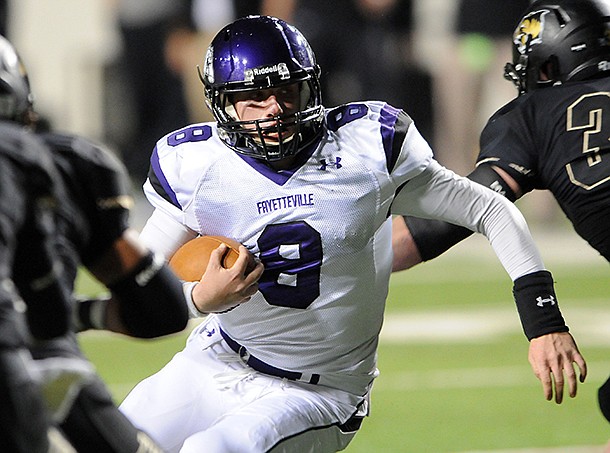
column 92, row 230
column 554, row 136
column 28, row 198
column 147, row 298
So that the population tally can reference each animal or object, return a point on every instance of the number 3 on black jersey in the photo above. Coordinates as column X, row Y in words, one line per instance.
column 587, row 115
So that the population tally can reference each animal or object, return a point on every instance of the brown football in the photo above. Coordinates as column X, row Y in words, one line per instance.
column 191, row 259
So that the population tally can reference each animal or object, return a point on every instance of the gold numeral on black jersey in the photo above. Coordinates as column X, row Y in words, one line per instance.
column 586, row 114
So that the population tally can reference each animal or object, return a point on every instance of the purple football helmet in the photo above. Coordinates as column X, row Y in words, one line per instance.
column 261, row 52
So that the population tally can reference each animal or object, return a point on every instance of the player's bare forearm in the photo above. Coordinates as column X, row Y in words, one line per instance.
column 552, row 357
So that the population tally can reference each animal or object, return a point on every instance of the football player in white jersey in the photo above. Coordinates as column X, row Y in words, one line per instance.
column 286, row 356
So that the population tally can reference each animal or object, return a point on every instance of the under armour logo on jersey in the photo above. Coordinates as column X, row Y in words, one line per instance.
column 330, row 163
column 549, row 300
column 209, row 333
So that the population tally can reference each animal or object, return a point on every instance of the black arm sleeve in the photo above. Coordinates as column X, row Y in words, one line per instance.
column 151, row 300
column 434, row 237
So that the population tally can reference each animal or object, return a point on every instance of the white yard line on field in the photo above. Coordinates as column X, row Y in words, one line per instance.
column 577, row 449
column 476, row 324
column 466, row 378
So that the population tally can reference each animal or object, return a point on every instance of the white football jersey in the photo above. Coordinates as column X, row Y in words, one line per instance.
column 322, row 230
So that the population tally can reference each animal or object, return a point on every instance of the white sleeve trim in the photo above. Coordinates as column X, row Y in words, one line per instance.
column 187, row 289
column 163, row 234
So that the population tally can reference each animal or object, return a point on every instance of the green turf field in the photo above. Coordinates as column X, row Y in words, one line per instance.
column 454, row 371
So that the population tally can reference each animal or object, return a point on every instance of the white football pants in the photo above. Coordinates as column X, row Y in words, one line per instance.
column 207, row 400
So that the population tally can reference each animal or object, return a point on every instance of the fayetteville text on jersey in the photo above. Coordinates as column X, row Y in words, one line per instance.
column 290, row 201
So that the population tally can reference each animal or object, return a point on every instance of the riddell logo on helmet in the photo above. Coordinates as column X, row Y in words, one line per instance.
column 530, row 29
column 280, row 69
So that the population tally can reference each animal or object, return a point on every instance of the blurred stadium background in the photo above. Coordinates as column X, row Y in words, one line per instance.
column 454, row 371
column 71, row 49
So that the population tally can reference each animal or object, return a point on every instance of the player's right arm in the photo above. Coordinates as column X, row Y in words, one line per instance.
column 175, row 172
column 219, row 289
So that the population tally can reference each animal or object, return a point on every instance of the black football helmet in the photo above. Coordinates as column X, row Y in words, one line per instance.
column 15, row 96
column 566, row 39
column 261, row 52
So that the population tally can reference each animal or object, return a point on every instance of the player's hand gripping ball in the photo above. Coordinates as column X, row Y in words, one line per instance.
column 191, row 259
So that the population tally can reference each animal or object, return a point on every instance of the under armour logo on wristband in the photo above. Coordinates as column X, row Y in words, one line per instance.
column 549, row 300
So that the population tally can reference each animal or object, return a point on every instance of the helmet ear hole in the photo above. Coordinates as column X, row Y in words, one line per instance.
column 553, row 68
column 547, row 71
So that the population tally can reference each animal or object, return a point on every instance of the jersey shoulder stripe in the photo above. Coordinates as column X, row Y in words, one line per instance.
column 178, row 161
column 394, row 126
column 389, row 122
column 360, row 125
column 159, row 181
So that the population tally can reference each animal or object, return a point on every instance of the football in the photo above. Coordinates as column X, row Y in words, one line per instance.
column 191, row 259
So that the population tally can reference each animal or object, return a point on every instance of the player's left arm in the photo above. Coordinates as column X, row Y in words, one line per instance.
column 438, row 193
column 415, row 240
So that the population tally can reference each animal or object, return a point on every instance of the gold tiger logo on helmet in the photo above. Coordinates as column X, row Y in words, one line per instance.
column 529, row 31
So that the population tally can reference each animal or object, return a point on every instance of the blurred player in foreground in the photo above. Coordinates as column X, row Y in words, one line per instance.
column 92, row 229
column 310, row 192
column 29, row 195
column 553, row 136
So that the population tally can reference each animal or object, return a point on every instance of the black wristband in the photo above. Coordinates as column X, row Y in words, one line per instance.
column 603, row 399
column 537, row 305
